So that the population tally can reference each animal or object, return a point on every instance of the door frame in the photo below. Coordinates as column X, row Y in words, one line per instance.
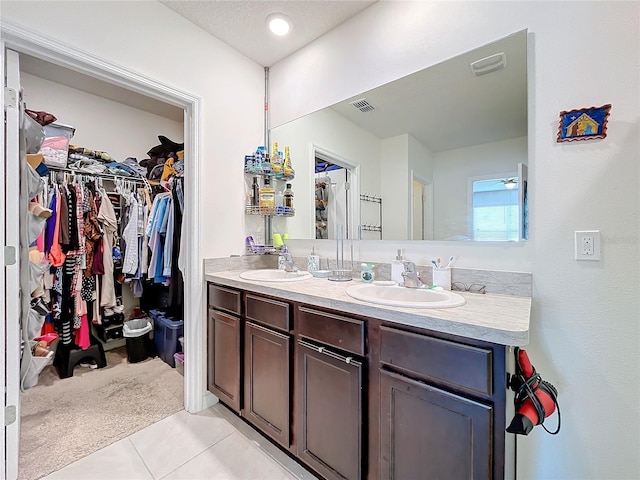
column 13, row 276
column 353, row 170
column 17, row 38
column 427, row 206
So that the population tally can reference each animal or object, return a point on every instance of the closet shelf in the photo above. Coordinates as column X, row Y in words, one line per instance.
column 108, row 176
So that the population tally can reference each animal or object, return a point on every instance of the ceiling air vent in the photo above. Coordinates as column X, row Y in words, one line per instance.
column 362, row 105
column 489, row 64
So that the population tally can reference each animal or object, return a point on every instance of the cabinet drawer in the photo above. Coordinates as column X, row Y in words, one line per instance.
column 340, row 332
column 224, row 299
column 456, row 364
column 268, row 312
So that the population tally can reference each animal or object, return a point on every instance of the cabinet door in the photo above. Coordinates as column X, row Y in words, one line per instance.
column 266, row 381
column 329, row 412
column 431, row 433
column 223, row 373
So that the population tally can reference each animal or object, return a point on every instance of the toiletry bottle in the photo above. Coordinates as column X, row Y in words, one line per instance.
column 313, row 261
column 266, row 162
column 287, row 169
column 255, row 195
column 260, row 155
column 282, row 256
column 397, row 267
column 276, row 161
column 248, row 163
column 267, row 198
column 281, row 155
column 288, row 200
column 366, row 272
column 279, row 202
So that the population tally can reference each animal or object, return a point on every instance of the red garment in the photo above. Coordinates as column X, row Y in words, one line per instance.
column 47, row 327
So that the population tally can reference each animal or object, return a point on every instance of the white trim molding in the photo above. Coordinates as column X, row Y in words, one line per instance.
column 49, row 49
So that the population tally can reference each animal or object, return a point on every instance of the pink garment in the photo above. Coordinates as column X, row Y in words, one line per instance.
column 82, row 334
column 81, row 305
column 40, row 242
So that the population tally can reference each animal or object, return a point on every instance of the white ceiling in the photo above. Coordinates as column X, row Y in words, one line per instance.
column 241, row 23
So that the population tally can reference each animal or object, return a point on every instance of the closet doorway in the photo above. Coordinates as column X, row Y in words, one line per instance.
column 336, row 190
column 16, row 42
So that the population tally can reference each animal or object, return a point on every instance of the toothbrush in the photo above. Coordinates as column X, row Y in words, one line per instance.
column 451, row 259
column 439, row 262
column 435, row 264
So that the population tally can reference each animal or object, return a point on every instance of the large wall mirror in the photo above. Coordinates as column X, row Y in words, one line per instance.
column 440, row 154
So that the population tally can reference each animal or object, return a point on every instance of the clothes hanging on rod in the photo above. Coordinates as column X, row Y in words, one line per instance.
column 80, row 252
column 87, row 231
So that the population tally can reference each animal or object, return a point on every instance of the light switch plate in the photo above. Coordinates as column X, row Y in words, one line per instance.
column 587, row 245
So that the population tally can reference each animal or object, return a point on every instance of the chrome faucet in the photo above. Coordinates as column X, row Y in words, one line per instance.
column 289, row 264
column 410, row 275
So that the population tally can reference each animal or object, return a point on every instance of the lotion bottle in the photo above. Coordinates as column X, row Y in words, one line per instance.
column 397, row 267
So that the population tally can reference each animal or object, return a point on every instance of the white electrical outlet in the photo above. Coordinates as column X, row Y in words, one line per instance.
column 587, row 245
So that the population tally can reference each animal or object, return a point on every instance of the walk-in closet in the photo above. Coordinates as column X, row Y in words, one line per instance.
column 101, row 351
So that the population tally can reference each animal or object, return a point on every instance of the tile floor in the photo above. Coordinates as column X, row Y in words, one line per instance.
column 213, row 444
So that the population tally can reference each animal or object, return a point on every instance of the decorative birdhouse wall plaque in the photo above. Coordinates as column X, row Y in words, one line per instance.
column 583, row 124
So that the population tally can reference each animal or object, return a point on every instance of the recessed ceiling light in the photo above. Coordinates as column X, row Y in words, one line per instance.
column 279, row 24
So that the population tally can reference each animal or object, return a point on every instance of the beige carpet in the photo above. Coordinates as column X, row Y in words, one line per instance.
column 63, row 420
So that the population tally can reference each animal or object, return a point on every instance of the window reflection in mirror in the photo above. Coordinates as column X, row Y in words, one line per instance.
column 417, row 145
column 495, row 209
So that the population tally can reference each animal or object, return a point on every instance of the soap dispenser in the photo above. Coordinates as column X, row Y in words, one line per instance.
column 397, row 267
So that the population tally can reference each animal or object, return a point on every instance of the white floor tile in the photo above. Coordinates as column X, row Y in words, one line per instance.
column 265, row 445
column 118, row 461
column 170, row 443
column 233, row 458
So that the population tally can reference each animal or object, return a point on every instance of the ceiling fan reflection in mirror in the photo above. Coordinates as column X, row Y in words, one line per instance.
column 493, row 184
column 510, row 183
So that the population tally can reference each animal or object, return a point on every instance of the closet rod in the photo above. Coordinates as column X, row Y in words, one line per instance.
column 101, row 175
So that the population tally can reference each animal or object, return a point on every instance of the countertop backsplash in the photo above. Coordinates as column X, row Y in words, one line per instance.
column 496, row 282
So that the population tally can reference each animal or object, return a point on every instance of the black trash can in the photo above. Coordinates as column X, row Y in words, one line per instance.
column 137, row 333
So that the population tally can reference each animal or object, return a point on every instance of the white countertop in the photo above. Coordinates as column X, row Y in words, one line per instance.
column 501, row 319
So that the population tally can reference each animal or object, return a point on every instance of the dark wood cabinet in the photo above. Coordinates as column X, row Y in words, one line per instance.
column 329, row 412
column 427, row 432
column 442, row 406
column 267, row 380
column 354, row 397
column 223, row 372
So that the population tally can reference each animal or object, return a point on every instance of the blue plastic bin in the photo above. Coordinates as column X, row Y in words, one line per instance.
column 166, row 331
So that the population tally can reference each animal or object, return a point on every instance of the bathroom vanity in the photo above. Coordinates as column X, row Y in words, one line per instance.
column 355, row 390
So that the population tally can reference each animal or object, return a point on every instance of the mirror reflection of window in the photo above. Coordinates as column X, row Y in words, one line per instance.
column 495, row 209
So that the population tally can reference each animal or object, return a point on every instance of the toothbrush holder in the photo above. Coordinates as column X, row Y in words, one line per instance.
column 442, row 278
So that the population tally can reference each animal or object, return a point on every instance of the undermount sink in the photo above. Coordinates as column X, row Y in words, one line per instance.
column 398, row 296
column 274, row 275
